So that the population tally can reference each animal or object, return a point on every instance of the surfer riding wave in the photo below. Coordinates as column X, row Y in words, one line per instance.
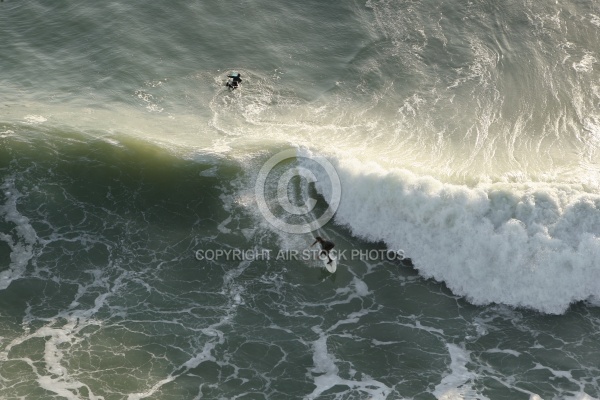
column 326, row 246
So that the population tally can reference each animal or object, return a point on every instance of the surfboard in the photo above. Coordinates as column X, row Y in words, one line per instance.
column 331, row 268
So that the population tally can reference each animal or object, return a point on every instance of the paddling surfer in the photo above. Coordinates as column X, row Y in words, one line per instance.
column 235, row 81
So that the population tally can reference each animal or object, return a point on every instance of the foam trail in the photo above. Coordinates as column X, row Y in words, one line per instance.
column 454, row 385
column 328, row 371
column 215, row 336
column 22, row 248
column 533, row 245
column 58, row 379
column 62, row 333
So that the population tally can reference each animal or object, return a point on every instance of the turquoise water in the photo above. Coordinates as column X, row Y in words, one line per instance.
column 462, row 136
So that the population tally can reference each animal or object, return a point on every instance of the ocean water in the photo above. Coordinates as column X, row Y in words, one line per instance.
column 156, row 228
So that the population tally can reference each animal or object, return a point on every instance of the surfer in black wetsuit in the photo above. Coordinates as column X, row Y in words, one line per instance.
column 326, row 246
column 235, row 81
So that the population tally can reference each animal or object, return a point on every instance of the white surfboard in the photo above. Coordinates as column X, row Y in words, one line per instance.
column 331, row 267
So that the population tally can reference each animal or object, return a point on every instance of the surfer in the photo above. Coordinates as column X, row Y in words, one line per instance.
column 235, row 81
column 326, row 246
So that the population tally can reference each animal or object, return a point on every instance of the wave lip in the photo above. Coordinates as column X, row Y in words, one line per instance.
column 534, row 245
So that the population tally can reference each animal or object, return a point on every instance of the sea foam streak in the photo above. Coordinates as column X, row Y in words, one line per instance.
column 23, row 247
column 526, row 245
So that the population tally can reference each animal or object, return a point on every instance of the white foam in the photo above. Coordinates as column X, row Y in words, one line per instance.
column 223, row 225
column 581, row 396
column 113, row 141
column 504, row 351
column 533, row 245
column 459, row 383
column 586, row 64
column 361, row 287
column 556, row 373
column 209, row 172
column 328, row 374
column 214, row 335
column 22, row 248
column 35, row 119
column 429, row 329
column 57, row 378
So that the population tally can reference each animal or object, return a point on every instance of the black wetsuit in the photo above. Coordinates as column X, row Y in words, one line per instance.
column 235, row 81
column 327, row 245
